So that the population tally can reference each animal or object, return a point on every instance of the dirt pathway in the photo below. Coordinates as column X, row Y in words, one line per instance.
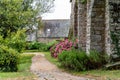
column 48, row 71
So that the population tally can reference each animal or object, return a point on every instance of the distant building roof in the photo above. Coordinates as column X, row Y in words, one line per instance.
column 55, row 28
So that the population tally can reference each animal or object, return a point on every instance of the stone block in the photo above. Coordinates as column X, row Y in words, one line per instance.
column 96, row 38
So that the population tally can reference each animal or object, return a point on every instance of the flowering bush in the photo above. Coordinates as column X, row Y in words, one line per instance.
column 61, row 46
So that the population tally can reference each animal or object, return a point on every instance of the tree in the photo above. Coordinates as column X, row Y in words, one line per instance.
column 17, row 14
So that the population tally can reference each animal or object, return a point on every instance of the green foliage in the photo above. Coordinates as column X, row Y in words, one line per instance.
column 51, row 59
column 43, row 47
column 70, row 35
column 40, row 46
column 15, row 40
column 96, row 60
column 79, row 61
column 13, row 16
column 115, row 37
column 37, row 46
column 25, row 62
column 1, row 39
column 52, row 43
column 17, row 14
column 103, row 74
column 82, row 1
column 73, row 60
column 32, row 45
column 8, row 59
column 23, row 69
column 9, row 49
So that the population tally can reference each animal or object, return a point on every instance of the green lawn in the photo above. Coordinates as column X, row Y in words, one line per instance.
column 31, row 51
column 23, row 69
column 51, row 59
column 98, row 74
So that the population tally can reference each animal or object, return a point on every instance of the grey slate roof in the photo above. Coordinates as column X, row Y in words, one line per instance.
column 55, row 28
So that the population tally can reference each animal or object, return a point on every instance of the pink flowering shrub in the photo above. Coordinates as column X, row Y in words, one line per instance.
column 61, row 46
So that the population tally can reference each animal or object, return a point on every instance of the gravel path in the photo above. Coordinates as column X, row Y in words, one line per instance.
column 47, row 71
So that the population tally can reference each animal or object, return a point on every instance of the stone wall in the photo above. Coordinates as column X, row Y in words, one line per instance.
column 98, row 26
column 91, row 35
column 97, row 22
column 114, row 24
column 88, row 27
column 74, row 10
column 47, row 40
column 82, row 18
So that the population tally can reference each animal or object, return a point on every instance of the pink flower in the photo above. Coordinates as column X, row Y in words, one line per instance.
column 61, row 46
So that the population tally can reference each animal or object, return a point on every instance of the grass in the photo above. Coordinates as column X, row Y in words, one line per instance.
column 97, row 74
column 31, row 50
column 51, row 59
column 23, row 69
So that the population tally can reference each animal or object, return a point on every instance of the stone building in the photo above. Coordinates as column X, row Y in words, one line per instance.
column 96, row 24
column 54, row 29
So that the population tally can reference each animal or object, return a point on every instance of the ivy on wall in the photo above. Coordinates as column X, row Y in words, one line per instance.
column 82, row 1
column 114, row 26
column 115, row 36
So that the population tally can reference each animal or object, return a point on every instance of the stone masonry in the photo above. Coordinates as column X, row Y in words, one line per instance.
column 96, row 19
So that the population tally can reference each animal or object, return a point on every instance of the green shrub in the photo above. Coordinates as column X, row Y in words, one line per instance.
column 9, row 49
column 33, row 45
column 1, row 39
column 79, row 61
column 73, row 60
column 8, row 59
column 15, row 40
column 43, row 47
column 40, row 46
column 52, row 43
column 96, row 60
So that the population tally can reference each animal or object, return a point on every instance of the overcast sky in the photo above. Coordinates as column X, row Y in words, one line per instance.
column 62, row 10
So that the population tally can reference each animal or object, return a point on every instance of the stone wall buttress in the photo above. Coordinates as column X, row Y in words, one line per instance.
column 107, row 30
column 82, row 9
column 88, row 27
column 97, row 35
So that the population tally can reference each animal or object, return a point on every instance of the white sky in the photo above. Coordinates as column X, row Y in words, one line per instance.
column 62, row 10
